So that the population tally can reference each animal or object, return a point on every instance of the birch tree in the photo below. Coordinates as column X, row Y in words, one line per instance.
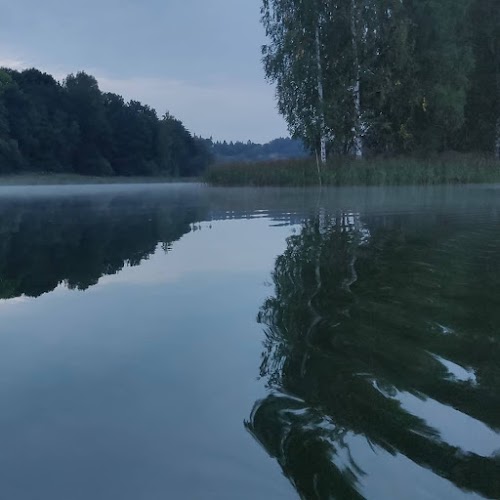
column 357, row 131
column 312, row 57
column 294, row 61
column 496, row 49
column 321, row 94
column 386, row 76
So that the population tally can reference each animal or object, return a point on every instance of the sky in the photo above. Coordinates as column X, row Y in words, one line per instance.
column 198, row 59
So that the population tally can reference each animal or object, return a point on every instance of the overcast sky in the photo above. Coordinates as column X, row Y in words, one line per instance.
column 198, row 59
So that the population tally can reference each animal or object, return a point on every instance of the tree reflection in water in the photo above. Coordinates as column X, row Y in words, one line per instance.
column 356, row 322
column 77, row 240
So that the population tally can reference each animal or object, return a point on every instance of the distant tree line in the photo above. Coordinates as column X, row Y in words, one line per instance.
column 386, row 76
column 47, row 126
column 277, row 149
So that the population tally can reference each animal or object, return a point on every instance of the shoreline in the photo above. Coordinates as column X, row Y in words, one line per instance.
column 30, row 179
column 454, row 168
column 447, row 169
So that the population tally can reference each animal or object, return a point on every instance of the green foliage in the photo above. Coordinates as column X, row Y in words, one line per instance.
column 46, row 126
column 428, row 72
column 483, row 100
column 290, row 61
column 180, row 151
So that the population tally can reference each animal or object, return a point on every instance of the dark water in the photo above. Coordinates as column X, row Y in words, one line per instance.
column 192, row 343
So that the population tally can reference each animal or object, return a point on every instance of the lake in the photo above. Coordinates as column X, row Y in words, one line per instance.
column 186, row 342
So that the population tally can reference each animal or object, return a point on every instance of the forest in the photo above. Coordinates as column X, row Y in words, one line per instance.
column 357, row 78
column 386, row 77
column 48, row 126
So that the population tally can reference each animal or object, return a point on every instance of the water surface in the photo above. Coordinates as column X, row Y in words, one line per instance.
column 190, row 342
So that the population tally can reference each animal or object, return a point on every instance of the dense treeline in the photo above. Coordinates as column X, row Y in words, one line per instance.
column 277, row 149
column 74, row 127
column 387, row 76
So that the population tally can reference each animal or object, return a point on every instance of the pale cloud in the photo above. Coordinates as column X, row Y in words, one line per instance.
column 16, row 301
column 12, row 63
column 9, row 59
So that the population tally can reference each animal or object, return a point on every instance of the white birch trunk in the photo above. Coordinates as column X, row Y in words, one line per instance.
column 322, row 137
column 358, row 140
column 497, row 131
column 497, row 140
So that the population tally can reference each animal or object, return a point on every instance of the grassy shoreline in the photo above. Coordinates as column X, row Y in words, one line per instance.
column 50, row 179
column 445, row 169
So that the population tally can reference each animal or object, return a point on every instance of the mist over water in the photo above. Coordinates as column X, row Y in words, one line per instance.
column 181, row 341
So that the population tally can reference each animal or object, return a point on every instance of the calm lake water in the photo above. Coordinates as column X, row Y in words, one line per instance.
column 188, row 342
